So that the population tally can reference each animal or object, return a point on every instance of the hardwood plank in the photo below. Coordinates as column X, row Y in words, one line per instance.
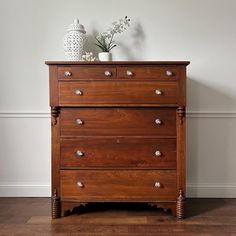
column 97, row 220
column 31, row 216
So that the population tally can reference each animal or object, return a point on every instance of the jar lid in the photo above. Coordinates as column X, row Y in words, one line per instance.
column 76, row 26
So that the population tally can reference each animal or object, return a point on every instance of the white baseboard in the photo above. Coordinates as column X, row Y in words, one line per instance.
column 24, row 190
column 211, row 190
column 193, row 190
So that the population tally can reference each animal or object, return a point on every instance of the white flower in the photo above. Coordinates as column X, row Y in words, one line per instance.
column 105, row 40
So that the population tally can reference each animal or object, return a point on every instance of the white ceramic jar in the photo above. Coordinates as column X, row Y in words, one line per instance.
column 75, row 41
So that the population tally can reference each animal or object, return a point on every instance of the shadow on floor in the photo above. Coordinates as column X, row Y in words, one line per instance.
column 193, row 207
column 200, row 206
column 129, row 208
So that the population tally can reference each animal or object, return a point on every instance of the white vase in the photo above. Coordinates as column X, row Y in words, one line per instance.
column 105, row 56
column 74, row 41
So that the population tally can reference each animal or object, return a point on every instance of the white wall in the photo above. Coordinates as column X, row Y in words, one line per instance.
column 202, row 31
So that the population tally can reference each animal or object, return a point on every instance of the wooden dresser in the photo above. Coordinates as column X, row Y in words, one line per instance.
column 118, row 133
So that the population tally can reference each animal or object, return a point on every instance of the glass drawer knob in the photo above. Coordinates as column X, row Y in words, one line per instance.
column 169, row 73
column 79, row 121
column 157, row 184
column 158, row 153
column 107, row 73
column 129, row 73
column 80, row 184
column 68, row 73
column 158, row 92
column 158, row 121
column 79, row 153
column 78, row 92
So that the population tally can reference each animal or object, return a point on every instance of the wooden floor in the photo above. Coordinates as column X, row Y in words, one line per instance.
column 31, row 216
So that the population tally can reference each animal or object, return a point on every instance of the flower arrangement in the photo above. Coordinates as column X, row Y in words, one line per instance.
column 105, row 40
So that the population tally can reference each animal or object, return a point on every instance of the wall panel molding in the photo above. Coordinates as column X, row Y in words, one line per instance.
column 190, row 114
column 211, row 114
column 198, row 190
column 25, row 190
column 209, row 190
column 24, row 114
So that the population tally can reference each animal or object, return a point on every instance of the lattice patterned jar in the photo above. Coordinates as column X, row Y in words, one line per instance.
column 74, row 41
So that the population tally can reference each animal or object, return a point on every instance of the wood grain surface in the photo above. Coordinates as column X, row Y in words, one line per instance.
column 108, row 121
column 117, row 92
column 117, row 121
column 118, row 185
column 31, row 216
column 118, row 152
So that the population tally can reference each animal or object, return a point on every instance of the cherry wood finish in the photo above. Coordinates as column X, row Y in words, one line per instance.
column 113, row 92
column 117, row 121
column 85, row 72
column 148, row 72
column 118, row 152
column 119, row 63
column 105, row 133
column 118, row 185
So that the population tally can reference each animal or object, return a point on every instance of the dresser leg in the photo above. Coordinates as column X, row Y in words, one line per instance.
column 180, row 205
column 56, row 206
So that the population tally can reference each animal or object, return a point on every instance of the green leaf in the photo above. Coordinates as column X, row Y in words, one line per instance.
column 112, row 47
column 99, row 42
column 103, row 49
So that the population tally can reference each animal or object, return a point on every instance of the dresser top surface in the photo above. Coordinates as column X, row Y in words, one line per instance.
column 118, row 63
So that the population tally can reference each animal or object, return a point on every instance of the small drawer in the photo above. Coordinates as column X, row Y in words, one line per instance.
column 118, row 152
column 86, row 72
column 117, row 93
column 118, row 121
column 148, row 72
column 118, row 185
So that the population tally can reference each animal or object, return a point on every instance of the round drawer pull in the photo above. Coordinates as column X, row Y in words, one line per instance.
column 129, row 73
column 158, row 121
column 80, row 184
column 107, row 73
column 79, row 121
column 68, row 73
column 157, row 184
column 169, row 73
column 78, row 92
column 158, row 92
column 79, row 153
column 158, row 153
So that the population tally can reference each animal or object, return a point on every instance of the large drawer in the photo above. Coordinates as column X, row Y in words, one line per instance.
column 118, row 185
column 117, row 92
column 119, row 152
column 118, row 121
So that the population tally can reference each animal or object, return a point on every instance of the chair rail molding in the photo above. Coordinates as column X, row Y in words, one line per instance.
column 46, row 114
column 25, row 114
